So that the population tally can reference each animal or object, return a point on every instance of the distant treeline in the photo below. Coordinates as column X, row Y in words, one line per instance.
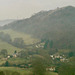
column 17, row 42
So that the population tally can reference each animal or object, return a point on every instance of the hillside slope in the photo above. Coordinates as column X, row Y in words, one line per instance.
column 57, row 25
column 8, row 47
column 28, row 39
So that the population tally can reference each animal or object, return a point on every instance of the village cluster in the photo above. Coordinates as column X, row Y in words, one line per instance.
column 61, row 58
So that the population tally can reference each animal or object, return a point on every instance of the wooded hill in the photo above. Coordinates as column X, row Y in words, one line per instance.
column 57, row 25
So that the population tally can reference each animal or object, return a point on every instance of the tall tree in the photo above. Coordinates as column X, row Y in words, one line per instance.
column 4, row 52
column 51, row 43
column 39, row 67
column 19, row 42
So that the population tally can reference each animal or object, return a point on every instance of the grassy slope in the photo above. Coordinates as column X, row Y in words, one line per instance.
column 23, row 71
column 12, row 69
column 4, row 45
column 17, row 60
column 51, row 73
column 10, row 48
column 27, row 38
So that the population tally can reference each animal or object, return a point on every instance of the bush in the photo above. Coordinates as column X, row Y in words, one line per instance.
column 15, row 73
column 39, row 67
column 2, row 73
column 67, row 70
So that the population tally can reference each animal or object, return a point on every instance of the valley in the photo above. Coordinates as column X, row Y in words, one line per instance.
column 42, row 44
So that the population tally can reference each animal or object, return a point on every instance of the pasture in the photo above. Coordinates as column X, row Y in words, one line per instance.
column 10, row 70
column 28, row 39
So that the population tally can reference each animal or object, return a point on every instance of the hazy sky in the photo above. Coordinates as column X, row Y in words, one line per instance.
column 13, row 9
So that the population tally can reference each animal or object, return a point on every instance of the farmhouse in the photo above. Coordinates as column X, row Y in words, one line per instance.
column 50, row 69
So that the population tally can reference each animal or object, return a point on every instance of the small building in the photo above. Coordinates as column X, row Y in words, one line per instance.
column 62, row 60
column 37, row 46
column 50, row 69
column 51, row 56
column 14, row 55
column 8, row 56
column 57, row 56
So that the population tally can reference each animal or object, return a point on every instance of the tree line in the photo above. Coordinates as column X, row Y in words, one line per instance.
column 17, row 42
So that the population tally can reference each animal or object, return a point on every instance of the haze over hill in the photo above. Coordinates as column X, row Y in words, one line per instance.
column 5, row 22
column 37, row 37
column 57, row 25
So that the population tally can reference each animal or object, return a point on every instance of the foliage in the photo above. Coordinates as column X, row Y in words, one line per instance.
column 22, row 54
column 19, row 42
column 59, row 26
column 70, row 54
column 15, row 73
column 6, row 64
column 39, row 67
column 28, row 39
column 5, row 37
column 48, row 44
column 67, row 70
column 4, row 52
column 2, row 73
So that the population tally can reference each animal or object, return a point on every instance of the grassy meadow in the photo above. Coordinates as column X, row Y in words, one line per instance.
column 9, row 70
column 28, row 39
column 17, row 60
column 10, row 48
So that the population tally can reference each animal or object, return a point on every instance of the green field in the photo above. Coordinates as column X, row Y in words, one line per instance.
column 10, row 48
column 17, row 60
column 28, row 39
column 51, row 73
column 9, row 70
column 12, row 69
